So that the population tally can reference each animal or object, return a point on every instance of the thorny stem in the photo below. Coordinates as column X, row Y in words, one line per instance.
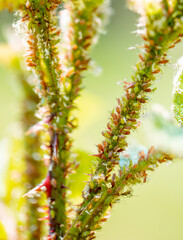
column 42, row 41
column 94, row 213
column 124, row 118
column 85, row 24
column 57, row 102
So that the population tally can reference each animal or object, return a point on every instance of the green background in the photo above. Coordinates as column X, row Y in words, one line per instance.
column 156, row 209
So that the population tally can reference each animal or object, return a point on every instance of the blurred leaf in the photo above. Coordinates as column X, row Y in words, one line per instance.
column 163, row 132
column 162, row 121
column 178, row 93
column 131, row 154
column 78, row 180
column 11, row 5
column 2, row 232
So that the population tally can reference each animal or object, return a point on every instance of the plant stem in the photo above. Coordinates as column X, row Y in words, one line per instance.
column 57, row 100
column 124, row 118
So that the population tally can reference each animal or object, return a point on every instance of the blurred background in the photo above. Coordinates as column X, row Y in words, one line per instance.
column 156, row 209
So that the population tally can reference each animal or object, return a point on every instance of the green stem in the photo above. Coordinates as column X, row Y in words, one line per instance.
column 124, row 118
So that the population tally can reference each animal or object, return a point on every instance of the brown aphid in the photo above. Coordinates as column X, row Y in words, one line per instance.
column 145, row 177
column 110, row 154
column 140, row 56
column 156, row 71
column 177, row 41
column 151, row 150
column 135, row 165
column 86, row 46
column 119, row 101
column 141, row 100
column 113, row 180
column 120, row 150
column 172, row 46
column 151, row 42
column 164, row 61
column 126, row 132
column 92, row 234
column 103, row 220
column 120, row 173
column 148, row 90
column 118, row 109
column 114, row 116
column 144, row 37
column 30, row 42
column 92, row 238
column 100, row 147
column 128, row 176
column 78, row 62
column 132, row 95
column 132, row 120
column 31, row 64
column 108, row 126
column 126, row 193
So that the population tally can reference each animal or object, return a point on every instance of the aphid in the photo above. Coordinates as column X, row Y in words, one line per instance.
column 141, row 100
column 140, row 56
column 145, row 177
column 156, row 71
column 163, row 61
column 109, row 127
column 113, row 180
column 135, row 165
column 103, row 220
column 148, row 90
column 120, row 150
column 78, row 62
column 31, row 64
column 104, row 143
column 151, row 150
column 144, row 37
column 100, row 147
column 128, row 176
column 86, row 45
column 119, row 101
column 93, row 237
column 118, row 109
column 179, row 40
column 126, row 132
column 172, row 46
column 114, row 116
column 110, row 154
